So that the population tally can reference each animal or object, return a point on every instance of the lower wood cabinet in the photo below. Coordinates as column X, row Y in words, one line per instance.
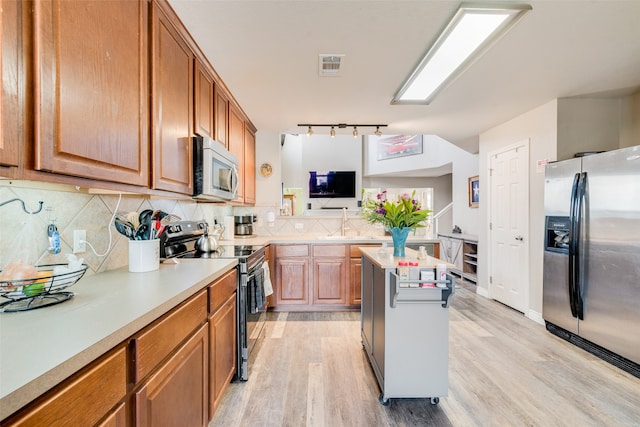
column 222, row 337
column 176, row 394
column 173, row 372
column 314, row 277
column 95, row 393
column 292, row 275
column 355, row 274
column 329, row 274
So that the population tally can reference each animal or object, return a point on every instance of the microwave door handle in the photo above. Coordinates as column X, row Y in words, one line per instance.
column 234, row 180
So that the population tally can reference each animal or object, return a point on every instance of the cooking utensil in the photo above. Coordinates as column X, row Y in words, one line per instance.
column 125, row 228
column 169, row 218
column 134, row 219
column 206, row 242
column 142, row 232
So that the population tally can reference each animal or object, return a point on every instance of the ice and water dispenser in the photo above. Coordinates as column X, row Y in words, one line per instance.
column 557, row 234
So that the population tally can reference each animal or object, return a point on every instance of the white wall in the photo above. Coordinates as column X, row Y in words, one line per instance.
column 436, row 152
column 588, row 124
column 268, row 151
column 321, row 153
column 540, row 127
column 467, row 218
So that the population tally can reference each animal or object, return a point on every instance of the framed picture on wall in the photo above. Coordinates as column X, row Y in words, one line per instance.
column 392, row 146
column 474, row 192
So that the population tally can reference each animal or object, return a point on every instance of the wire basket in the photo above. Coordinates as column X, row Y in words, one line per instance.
column 46, row 289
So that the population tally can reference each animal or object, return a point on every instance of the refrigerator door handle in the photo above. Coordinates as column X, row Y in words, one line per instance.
column 580, row 202
column 573, row 245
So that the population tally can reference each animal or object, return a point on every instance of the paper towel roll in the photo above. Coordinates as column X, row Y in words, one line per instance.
column 229, row 228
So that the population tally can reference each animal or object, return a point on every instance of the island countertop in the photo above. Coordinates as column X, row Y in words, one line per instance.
column 41, row 348
column 387, row 260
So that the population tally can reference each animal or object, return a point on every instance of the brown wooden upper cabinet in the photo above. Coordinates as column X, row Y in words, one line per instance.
column 236, row 146
column 9, row 101
column 204, row 112
column 172, row 108
column 221, row 105
column 249, row 165
column 91, row 89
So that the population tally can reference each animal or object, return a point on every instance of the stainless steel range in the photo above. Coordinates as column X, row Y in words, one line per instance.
column 179, row 241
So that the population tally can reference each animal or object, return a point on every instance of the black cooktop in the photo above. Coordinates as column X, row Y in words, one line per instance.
column 225, row 251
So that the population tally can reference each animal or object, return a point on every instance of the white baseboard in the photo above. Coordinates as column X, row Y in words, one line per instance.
column 482, row 291
column 536, row 317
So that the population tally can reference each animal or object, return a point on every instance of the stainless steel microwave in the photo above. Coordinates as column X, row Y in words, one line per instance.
column 215, row 171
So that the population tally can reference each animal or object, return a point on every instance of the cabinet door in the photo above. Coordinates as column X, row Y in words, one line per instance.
column 249, row 166
column 221, row 117
column 329, row 281
column 172, row 117
column 203, row 106
column 176, row 394
column 292, row 283
column 91, row 89
column 355, row 285
column 9, row 100
column 222, row 354
column 82, row 400
column 236, row 146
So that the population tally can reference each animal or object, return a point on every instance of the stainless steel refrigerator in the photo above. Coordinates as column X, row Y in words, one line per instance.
column 591, row 288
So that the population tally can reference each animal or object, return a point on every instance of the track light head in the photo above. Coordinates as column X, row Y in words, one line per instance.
column 332, row 132
column 355, row 132
column 309, row 131
column 378, row 132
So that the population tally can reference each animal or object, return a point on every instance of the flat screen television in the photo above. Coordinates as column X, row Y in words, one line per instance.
column 332, row 184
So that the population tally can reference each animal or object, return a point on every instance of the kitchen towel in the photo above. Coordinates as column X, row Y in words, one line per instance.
column 268, row 287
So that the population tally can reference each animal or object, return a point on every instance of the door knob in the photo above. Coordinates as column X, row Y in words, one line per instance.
column 519, row 238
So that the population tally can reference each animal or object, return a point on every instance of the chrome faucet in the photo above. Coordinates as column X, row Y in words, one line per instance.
column 343, row 226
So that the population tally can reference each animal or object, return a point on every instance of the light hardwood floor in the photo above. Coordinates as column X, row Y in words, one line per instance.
column 504, row 369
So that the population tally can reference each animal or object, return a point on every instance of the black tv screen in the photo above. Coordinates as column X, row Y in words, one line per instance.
column 332, row 184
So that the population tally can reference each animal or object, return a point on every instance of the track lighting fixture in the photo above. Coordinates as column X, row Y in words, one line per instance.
column 332, row 132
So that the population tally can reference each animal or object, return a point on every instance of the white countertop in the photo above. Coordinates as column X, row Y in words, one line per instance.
column 389, row 261
column 42, row 347
column 321, row 239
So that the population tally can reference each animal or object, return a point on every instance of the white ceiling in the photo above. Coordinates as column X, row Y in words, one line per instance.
column 267, row 54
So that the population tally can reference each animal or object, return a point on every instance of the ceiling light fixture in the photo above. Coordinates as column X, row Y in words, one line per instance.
column 333, row 127
column 470, row 32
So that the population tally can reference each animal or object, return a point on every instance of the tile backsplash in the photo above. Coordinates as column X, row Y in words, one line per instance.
column 24, row 236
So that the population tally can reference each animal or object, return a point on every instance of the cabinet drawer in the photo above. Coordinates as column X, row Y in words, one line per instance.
column 158, row 340
column 330, row 250
column 292, row 250
column 82, row 400
column 354, row 250
column 221, row 289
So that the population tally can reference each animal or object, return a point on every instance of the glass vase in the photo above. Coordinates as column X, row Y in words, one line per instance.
column 399, row 236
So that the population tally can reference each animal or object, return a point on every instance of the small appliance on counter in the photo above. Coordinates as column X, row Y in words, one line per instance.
column 244, row 225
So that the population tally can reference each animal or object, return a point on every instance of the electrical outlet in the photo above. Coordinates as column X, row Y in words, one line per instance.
column 79, row 241
column 299, row 226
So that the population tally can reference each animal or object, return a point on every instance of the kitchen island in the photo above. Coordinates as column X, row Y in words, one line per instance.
column 405, row 326
column 42, row 348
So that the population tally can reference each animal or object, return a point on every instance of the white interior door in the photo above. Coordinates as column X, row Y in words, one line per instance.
column 509, row 225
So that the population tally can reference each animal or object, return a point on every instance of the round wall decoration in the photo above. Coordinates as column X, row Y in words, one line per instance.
column 266, row 169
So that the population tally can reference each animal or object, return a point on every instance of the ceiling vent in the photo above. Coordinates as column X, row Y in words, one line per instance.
column 329, row 65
